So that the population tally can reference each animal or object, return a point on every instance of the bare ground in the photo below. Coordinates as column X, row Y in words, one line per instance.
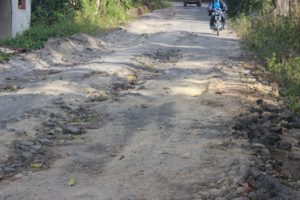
column 142, row 112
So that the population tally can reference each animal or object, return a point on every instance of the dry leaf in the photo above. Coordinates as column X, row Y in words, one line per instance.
column 72, row 181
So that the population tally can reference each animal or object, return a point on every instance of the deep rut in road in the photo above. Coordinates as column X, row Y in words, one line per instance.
column 148, row 111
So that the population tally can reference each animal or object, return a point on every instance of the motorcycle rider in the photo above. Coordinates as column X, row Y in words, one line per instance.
column 215, row 5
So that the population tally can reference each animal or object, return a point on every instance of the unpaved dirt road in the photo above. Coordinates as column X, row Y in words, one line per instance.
column 142, row 112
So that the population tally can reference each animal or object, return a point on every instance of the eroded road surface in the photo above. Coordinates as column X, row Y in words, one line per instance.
column 142, row 112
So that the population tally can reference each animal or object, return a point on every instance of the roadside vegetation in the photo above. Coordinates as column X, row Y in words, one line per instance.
column 4, row 56
column 274, row 39
column 57, row 18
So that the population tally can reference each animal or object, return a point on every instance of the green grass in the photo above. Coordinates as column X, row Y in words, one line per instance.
column 39, row 33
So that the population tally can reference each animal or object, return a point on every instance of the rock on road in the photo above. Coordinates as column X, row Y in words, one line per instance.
column 150, row 105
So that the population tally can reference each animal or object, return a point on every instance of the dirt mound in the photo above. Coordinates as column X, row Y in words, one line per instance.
column 69, row 51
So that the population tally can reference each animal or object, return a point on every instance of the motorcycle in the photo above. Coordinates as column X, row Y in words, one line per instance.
column 217, row 21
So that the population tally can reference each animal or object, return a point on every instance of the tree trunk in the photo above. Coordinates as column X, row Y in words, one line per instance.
column 98, row 4
column 282, row 7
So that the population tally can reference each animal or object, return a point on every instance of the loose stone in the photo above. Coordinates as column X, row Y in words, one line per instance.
column 294, row 155
column 74, row 130
column 284, row 145
column 27, row 143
